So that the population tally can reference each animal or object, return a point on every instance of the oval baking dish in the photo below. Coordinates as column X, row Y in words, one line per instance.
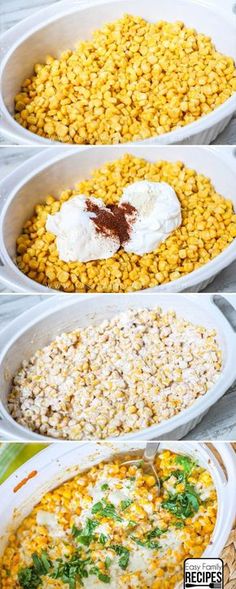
column 48, row 32
column 58, row 168
column 60, row 462
column 38, row 327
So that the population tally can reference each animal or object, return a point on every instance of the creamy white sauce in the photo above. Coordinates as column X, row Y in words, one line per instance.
column 203, row 491
column 77, row 237
column 158, row 215
column 140, row 560
column 49, row 520
column 114, row 494
column 93, row 582
column 171, row 539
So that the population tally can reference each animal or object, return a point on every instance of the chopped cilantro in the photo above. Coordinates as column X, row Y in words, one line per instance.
column 30, row 577
column 132, row 524
column 148, row 541
column 42, row 564
column 186, row 462
column 183, row 505
column 125, row 504
column 180, row 475
column 108, row 562
column 104, row 578
column 72, row 571
column 155, row 533
column 101, row 576
column 138, row 541
column 105, row 487
column 103, row 539
column 152, row 545
column 105, row 509
column 85, row 536
column 123, row 553
column 179, row 524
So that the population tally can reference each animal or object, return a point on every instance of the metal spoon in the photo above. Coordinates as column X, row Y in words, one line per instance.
column 148, row 461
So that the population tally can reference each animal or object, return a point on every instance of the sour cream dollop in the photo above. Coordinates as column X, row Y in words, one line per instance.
column 158, row 214
column 84, row 230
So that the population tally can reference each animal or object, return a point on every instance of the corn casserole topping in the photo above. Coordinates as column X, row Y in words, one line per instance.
column 133, row 80
column 109, row 527
column 127, row 373
column 208, row 227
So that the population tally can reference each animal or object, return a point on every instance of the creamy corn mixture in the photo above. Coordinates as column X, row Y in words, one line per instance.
column 208, row 227
column 133, row 371
column 132, row 80
column 110, row 527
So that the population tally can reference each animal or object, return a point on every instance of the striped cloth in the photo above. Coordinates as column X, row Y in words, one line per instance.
column 13, row 455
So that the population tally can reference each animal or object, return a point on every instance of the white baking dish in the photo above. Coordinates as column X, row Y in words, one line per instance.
column 51, row 30
column 40, row 325
column 58, row 168
column 59, row 462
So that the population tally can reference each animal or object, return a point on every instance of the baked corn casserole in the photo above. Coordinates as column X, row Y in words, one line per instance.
column 138, row 369
column 134, row 79
column 208, row 226
column 110, row 527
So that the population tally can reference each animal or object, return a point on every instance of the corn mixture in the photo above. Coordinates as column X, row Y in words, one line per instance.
column 110, row 527
column 132, row 80
column 133, row 371
column 208, row 227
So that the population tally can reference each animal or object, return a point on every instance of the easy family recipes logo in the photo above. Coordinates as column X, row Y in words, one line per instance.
column 204, row 572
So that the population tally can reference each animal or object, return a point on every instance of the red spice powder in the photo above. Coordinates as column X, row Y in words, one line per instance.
column 104, row 221
column 124, row 215
column 116, row 222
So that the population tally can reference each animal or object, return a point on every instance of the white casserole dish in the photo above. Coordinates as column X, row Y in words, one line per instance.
column 40, row 325
column 58, row 168
column 59, row 462
column 51, row 30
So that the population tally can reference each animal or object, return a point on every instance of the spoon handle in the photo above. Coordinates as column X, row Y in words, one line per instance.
column 227, row 309
column 150, row 451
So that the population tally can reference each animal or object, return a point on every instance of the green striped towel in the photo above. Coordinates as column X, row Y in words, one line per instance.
column 13, row 455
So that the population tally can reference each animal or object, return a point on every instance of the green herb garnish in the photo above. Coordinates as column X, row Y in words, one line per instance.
column 103, row 539
column 125, row 504
column 179, row 524
column 148, row 541
column 30, row 577
column 155, row 533
column 186, row 462
column 42, row 564
column 104, row 578
column 105, row 509
column 183, row 505
column 105, row 487
column 180, row 475
column 138, row 541
column 123, row 553
column 132, row 524
column 85, row 536
column 108, row 562
column 72, row 571
column 101, row 576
